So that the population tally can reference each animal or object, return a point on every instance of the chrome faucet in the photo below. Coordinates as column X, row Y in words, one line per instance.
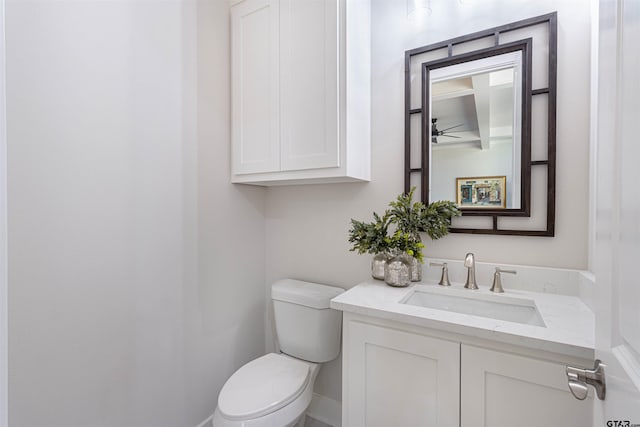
column 470, row 263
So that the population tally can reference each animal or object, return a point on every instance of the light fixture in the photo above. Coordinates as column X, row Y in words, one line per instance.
column 417, row 8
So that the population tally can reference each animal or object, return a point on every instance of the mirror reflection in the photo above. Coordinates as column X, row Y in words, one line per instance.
column 475, row 128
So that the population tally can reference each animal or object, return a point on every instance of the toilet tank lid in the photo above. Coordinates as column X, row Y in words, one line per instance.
column 308, row 294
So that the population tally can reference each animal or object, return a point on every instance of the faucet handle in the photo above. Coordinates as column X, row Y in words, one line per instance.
column 497, row 280
column 444, row 278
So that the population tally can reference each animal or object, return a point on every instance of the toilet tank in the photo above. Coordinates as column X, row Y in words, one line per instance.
column 306, row 327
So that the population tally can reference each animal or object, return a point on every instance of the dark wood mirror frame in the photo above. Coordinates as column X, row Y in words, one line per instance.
column 527, row 92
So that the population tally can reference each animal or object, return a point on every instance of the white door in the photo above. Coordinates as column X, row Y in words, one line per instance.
column 617, row 255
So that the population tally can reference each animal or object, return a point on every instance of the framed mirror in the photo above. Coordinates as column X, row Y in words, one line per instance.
column 480, row 123
column 477, row 129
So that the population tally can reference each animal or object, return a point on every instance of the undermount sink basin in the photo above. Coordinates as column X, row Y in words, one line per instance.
column 517, row 310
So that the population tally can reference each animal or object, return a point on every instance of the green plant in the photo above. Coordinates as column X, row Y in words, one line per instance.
column 409, row 219
column 414, row 217
column 408, row 216
column 405, row 242
column 437, row 216
column 371, row 237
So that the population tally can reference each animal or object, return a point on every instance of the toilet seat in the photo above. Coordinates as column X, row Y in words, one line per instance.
column 263, row 386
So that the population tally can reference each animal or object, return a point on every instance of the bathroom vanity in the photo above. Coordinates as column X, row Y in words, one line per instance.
column 429, row 355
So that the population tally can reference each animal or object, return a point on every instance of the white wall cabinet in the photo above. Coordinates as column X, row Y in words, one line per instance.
column 300, row 91
column 405, row 376
column 255, row 130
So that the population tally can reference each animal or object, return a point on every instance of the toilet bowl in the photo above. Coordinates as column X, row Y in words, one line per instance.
column 275, row 390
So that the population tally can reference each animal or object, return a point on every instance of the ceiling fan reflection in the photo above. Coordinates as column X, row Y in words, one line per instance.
column 435, row 132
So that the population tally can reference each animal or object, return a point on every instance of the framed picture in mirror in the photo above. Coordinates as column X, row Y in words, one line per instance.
column 481, row 192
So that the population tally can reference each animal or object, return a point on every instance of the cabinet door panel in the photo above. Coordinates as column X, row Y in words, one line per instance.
column 309, row 84
column 255, row 87
column 505, row 390
column 396, row 378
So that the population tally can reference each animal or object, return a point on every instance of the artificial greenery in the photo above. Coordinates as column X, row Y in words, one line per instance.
column 409, row 219
column 371, row 237
column 437, row 218
column 414, row 218
column 408, row 216
column 405, row 242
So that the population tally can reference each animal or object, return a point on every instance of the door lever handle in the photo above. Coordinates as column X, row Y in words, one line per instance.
column 579, row 378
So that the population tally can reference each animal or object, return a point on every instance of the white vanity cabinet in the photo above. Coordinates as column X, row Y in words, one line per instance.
column 408, row 376
column 500, row 389
column 300, row 93
column 398, row 378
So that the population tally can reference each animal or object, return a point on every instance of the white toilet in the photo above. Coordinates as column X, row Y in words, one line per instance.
column 275, row 390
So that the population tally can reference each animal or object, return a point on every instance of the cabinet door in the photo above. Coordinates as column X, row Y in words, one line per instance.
column 255, row 109
column 309, row 84
column 400, row 379
column 504, row 390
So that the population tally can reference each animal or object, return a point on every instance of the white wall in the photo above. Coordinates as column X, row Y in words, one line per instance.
column 4, row 419
column 307, row 225
column 136, row 271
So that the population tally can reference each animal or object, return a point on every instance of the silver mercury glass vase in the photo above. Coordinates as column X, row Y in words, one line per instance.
column 397, row 271
column 416, row 266
column 377, row 265
column 416, row 270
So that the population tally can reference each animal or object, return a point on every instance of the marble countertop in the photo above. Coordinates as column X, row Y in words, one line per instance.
column 569, row 324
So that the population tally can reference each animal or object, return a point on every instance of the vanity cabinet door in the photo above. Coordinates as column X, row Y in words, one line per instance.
column 505, row 390
column 397, row 378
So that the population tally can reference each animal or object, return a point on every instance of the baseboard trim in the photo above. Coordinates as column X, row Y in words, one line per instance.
column 325, row 409
column 207, row 422
column 322, row 408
